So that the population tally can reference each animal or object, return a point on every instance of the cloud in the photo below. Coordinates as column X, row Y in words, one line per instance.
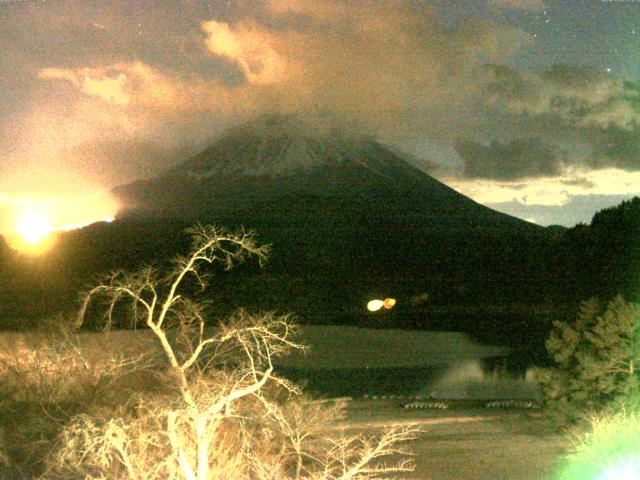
column 376, row 64
column 40, row 162
column 249, row 45
column 615, row 146
column 520, row 158
column 575, row 96
column 385, row 67
column 109, row 109
column 578, row 209
column 131, row 157
column 527, row 5
column 140, row 86
column 579, row 182
column 93, row 82
column 553, row 190
column 592, row 115
column 331, row 10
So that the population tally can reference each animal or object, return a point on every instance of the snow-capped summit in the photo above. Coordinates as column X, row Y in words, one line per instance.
column 345, row 216
column 287, row 145
column 287, row 166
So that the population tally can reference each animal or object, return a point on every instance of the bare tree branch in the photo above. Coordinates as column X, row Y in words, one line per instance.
column 220, row 414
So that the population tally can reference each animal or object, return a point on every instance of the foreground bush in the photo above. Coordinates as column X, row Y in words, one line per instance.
column 610, row 450
column 44, row 383
column 218, row 410
column 596, row 358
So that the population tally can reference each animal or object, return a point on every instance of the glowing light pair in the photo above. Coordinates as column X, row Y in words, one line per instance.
column 375, row 305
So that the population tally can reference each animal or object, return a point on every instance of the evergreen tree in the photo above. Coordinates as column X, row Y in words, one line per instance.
column 596, row 358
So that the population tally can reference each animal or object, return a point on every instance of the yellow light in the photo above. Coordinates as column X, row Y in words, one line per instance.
column 32, row 224
column 375, row 305
column 33, row 227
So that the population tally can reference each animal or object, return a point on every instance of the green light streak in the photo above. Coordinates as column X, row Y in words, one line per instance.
column 624, row 470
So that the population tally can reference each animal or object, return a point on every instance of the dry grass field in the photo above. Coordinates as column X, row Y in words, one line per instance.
column 469, row 444
column 459, row 443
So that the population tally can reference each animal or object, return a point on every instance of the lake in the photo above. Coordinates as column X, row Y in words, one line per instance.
column 350, row 361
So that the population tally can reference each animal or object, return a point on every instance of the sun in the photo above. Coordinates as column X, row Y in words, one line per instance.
column 33, row 227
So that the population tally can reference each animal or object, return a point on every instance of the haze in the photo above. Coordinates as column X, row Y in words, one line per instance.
column 530, row 107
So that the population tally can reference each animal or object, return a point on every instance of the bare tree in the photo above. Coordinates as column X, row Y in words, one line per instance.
column 217, row 418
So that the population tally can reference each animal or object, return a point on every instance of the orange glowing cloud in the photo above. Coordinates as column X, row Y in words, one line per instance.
column 93, row 82
column 371, row 66
column 29, row 224
column 368, row 65
column 143, row 91
column 250, row 47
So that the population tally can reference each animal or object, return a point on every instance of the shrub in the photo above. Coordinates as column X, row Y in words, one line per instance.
column 220, row 416
column 596, row 361
column 44, row 384
column 609, row 451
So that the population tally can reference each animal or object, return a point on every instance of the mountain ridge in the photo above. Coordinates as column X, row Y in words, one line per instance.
column 280, row 156
column 359, row 224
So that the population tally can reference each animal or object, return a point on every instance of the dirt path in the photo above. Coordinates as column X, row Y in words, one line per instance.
column 476, row 444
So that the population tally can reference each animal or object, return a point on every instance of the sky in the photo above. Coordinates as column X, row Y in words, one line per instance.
column 531, row 107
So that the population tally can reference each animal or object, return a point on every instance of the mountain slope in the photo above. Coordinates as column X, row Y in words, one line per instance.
column 348, row 220
column 278, row 159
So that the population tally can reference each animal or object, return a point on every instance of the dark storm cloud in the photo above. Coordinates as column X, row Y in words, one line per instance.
column 617, row 147
column 517, row 159
column 578, row 182
column 578, row 108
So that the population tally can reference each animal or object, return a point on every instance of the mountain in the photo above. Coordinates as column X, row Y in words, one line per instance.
column 348, row 218
column 277, row 164
column 601, row 259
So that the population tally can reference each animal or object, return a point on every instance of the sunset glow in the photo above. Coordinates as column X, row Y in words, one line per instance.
column 33, row 227
column 30, row 225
